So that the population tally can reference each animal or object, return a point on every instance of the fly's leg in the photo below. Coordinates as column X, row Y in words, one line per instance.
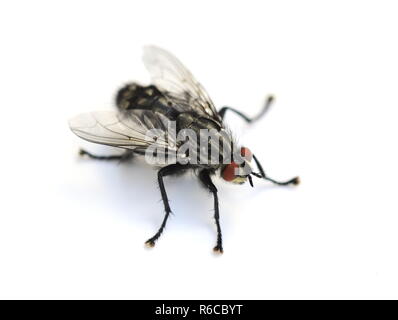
column 204, row 177
column 123, row 157
column 165, row 171
column 294, row 181
column 263, row 111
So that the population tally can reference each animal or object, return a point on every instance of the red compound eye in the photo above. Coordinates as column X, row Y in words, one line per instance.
column 228, row 173
column 246, row 153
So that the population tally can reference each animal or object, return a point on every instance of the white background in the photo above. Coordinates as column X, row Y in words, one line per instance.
column 75, row 228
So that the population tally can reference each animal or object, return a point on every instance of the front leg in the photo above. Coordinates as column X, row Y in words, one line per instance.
column 263, row 111
column 204, row 177
column 293, row 181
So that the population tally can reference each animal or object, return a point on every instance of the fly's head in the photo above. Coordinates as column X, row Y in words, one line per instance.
column 239, row 170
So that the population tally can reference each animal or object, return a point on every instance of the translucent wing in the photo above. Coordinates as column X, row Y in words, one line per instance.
column 171, row 76
column 128, row 130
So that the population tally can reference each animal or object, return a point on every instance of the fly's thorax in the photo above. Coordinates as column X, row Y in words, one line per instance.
column 202, row 141
column 196, row 122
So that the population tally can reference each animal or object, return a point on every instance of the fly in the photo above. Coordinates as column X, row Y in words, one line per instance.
column 175, row 125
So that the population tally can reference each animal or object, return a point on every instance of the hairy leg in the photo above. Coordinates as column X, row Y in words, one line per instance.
column 294, row 181
column 263, row 111
column 165, row 171
column 127, row 155
column 204, row 177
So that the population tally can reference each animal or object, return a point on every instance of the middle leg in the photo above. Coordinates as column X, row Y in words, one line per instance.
column 165, row 171
column 204, row 177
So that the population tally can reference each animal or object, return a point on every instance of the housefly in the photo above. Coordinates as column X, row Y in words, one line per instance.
column 162, row 121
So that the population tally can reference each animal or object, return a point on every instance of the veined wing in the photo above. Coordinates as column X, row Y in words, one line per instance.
column 128, row 130
column 171, row 76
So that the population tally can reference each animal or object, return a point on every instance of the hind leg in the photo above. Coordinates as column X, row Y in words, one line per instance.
column 127, row 155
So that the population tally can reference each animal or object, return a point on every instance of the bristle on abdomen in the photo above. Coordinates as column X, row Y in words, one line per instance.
column 135, row 96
